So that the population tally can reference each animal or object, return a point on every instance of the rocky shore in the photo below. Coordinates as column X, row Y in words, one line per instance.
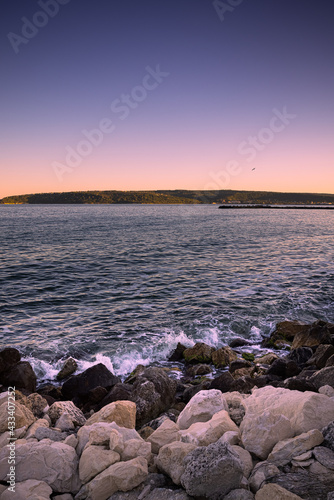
column 261, row 428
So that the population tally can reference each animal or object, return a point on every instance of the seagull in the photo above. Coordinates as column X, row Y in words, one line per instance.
column 253, row 169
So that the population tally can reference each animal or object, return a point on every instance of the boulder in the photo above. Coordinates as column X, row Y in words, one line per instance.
column 100, row 432
column 153, row 393
column 260, row 474
column 274, row 428
column 212, row 471
column 286, row 331
column 323, row 377
column 60, row 407
column 200, row 353
column 21, row 375
column 119, row 392
column 330, row 361
column 36, row 404
column 177, row 354
column 8, row 358
column 223, row 357
column 29, row 490
column 170, row 459
column 239, row 494
column 285, row 450
column 328, row 433
column 123, row 476
column 284, row 368
column 136, row 448
column 23, row 417
column 327, row 390
column 304, row 410
column 231, row 438
column 303, row 484
column 300, row 356
column 201, row 408
column 245, row 459
column 94, row 460
column 273, row 491
column 121, row 412
column 168, row 432
column 267, row 359
column 52, row 434
column 321, row 355
column 299, row 384
column 69, row 367
column 205, row 433
column 319, row 333
column 65, row 422
column 223, row 382
column 198, row 370
column 236, row 407
column 32, row 429
column 54, row 463
column 78, row 386
column 325, row 456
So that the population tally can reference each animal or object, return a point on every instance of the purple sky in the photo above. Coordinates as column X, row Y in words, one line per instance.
column 166, row 94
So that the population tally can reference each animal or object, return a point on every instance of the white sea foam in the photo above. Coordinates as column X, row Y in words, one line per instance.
column 99, row 358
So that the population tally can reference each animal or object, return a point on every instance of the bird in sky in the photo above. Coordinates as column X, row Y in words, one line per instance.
column 253, row 169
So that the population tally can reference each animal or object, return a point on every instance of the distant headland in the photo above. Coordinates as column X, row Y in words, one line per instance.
column 167, row 197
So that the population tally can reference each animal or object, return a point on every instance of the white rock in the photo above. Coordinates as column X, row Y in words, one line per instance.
column 168, row 432
column 94, row 460
column 65, row 422
column 260, row 434
column 123, row 413
column 103, row 429
column 284, row 451
column 57, row 409
column 36, row 425
column 205, row 433
column 231, row 437
column 201, row 408
column 170, row 459
column 28, row 490
column 71, row 441
column 54, row 463
column 122, row 476
column 136, row 448
column 23, row 417
column 245, row 459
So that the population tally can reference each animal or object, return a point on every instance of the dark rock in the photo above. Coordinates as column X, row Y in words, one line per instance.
column 189, row 392
column 328, row 433
column 243, row 385
column 9, row 357
column 212, row 471
column 284, row 368
column 69, row 367
column 93, row 397
column 50, row 391
column 239, row 342
column 21, row 376
column 303, row 484
column 153, row 393
column 223, row 357
column 239, row 494
column 200, row 353
column 167, row 494
column 224, row 382
column 330, row 361
column 299, row 384
column 120, row 392
column 154, row 424
column 36, row 404
column 46, row 433
column 131, row 379
column 78, row 386
column 323, row 377
column 325, row 456
column 264, row 380
column 321, row 355
column 319, row 333
column 300, row 355
column 196, row 370
column 238, row 364
column 286, row 331
column 177, row 354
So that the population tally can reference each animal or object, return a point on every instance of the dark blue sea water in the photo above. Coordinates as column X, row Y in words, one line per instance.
column 122, row 284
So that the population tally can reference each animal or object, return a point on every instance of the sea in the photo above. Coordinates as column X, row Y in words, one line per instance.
column 123, row 284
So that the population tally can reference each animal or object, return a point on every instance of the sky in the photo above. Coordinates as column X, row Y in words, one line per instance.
column 177, row 94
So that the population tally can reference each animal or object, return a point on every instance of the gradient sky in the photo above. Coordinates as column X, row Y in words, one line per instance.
column 227, row 74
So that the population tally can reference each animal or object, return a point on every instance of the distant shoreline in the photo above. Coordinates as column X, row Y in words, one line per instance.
column 277, row 207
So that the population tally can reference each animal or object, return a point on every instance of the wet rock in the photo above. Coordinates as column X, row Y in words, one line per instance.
column 244, row 385
column 239, row 342
column 223, row 357
column 223, row 383
column 21, row 375
column 321, row 355
column 8, row 358
column 201, row 408
column 95, row 396
column 323, row 377
column 200, row 353
column 286, row 331
column 328, row 433
column 320, row 332
column 69, row 367
column 78, row 386
column 197, row 370
column 299, row 384
column 177, row 354
column 120, row 392
column 300, row 356
column 50, row 392
column 284, row 368
column 153, row 393
column 239, row 363
column 267, row 359
column 212, row 471
column 121, row 412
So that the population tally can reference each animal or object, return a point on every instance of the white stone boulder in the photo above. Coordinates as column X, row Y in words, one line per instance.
column 23, row 416
column 170, row 459
column 52, row 462
column 284, row 451
column 168, row 432
column 201, row 408
column 123, row 413
column 136, row 448
column 205, row 433
column 28, row 490
column 58, row 408
column 245, row 459
column 94, row 460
